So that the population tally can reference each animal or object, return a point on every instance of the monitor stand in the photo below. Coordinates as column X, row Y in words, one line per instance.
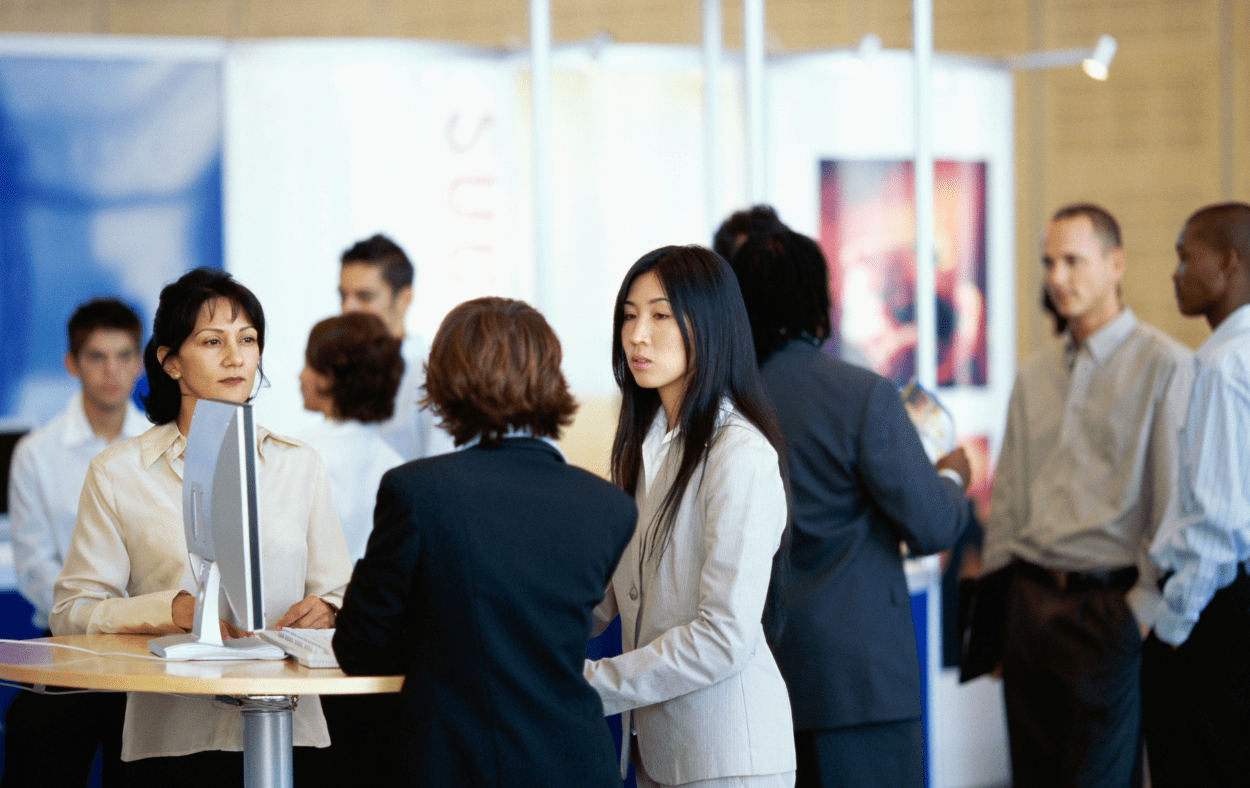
column 204, row 641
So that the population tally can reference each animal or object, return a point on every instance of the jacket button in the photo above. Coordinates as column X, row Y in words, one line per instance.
column 633, row 593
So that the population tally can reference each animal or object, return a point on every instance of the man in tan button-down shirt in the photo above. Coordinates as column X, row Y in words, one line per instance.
column 1086, row 474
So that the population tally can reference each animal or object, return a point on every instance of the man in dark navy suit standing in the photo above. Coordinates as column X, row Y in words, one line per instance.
column 861, row 484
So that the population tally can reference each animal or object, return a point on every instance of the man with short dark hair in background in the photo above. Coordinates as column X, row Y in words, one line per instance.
column 860, row 484
column 377, row 277
column 733, row 232
column 1196, row 665
column 52, row 740
column 1086, row 474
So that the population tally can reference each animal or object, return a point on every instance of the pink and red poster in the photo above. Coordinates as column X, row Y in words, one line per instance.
column 868, row 233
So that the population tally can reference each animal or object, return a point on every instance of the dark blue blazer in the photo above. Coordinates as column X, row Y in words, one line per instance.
column 478, row 584
column 861, row 484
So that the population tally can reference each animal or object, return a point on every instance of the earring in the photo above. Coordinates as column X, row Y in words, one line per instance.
column 175, row 375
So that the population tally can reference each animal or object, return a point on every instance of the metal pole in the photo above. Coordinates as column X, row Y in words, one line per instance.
column 1228, row 100
column 926, row 312
column 267, row 741
column 753, row 51
column 540, row 93
column 713, row 44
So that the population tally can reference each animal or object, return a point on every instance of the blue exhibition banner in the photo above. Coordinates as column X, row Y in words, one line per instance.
column 110, row 184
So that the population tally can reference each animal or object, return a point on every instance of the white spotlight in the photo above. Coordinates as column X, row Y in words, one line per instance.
column 1095, row 61
column 1096, row 64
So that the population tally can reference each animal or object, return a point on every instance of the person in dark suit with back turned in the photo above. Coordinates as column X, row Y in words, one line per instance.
column 861, row 484
column 483, row 570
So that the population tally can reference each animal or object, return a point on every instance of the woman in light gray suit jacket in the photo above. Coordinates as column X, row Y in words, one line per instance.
column 701, row 696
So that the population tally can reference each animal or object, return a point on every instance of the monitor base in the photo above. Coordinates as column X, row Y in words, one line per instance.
column 180, row 648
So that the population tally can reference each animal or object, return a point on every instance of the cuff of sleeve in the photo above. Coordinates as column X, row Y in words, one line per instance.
column 158, row 610
column 1146, row 604
column 953, row 475
column 147, row 614
column 1171, row 628
column 603, row 677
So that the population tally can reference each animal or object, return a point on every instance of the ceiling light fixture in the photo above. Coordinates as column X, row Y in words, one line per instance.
column 1095, row 61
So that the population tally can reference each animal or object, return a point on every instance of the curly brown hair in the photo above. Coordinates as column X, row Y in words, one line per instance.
column 495, row 367
column 362, row 361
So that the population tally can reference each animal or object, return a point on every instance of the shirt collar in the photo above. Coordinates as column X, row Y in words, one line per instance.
column 1103, row 342
column 516, row 434
column 1237, row 322
column 658, row 435
column 163, row 439
column 166, row 440
column 136, row 422
column 78, row 429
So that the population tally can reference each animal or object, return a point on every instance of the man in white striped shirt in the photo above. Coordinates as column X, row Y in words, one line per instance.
column 1196, row 666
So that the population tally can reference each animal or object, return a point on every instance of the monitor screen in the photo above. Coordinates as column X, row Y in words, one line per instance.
column 8, row 442
column 219, row 504
column 219, row 515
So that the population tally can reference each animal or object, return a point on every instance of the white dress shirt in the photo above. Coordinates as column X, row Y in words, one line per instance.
column 1088, row 468
column 128, row 560
column 356, row 457
column 697, row 682
column 412, row 430
column 1212, row 533
column 45, row 480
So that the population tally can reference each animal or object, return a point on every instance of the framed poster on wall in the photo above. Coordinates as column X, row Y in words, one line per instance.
column 868, row 233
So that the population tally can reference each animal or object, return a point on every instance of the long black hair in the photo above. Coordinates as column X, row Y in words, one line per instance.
column 176, row 315
column 707, row 306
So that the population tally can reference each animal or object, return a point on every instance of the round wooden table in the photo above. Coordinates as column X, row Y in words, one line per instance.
column 264, row 690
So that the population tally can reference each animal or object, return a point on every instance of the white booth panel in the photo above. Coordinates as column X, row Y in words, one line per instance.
column 329, row 142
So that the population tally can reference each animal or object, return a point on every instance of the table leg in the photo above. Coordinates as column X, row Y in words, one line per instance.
column 267, row 754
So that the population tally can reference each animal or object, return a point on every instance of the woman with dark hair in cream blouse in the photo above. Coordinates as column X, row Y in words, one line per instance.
column 127, row 569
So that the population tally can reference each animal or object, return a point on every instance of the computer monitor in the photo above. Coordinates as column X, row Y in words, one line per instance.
column 9, row 436
column 220, row 517
column 8, row 442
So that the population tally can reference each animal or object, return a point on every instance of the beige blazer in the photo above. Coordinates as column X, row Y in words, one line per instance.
column 696, row 682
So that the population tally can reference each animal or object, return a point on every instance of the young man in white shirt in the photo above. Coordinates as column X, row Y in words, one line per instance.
column 1195, row 683
column 376, row 277
column 53, row 739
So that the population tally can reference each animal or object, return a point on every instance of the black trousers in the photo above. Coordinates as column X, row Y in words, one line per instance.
column 51, row 740
column 365, row 746
column 1196, row 699
column 1072, row 683
column 881, row 755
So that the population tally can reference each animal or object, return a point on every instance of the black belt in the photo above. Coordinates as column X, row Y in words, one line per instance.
column 1122, row 578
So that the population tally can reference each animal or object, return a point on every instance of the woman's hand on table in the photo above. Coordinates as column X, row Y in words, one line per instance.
column 311, row 612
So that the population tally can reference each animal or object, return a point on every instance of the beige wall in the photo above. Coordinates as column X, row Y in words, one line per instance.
column 1169, row 132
